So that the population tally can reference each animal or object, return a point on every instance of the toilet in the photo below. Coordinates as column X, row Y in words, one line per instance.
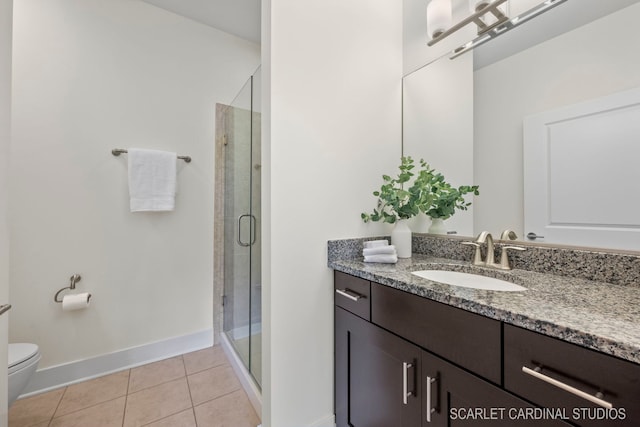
column 23, row 361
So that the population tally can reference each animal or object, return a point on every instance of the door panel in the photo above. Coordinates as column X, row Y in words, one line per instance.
column 377, row 376
column 242, row 257
column 580, row 169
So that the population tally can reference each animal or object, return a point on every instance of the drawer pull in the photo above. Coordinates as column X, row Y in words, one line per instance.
column 347, row 293
column 594, row 399
column 430, row 410
column 405, row 373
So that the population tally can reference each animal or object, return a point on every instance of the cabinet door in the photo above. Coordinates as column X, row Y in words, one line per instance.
column 377, row 376
column 597, row 390
column 453, row 397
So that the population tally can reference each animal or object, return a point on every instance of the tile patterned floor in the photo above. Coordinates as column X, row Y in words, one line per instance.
column 197, row 389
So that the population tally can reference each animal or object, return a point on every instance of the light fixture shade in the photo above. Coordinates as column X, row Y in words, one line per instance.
column 439, row 17
column 476, row 5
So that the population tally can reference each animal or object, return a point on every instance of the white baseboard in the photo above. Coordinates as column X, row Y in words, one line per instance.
column 81, row 370
column 249, row 385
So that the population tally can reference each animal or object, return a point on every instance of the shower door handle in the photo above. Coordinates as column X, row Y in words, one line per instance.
column 252, row 232
column 240, row 242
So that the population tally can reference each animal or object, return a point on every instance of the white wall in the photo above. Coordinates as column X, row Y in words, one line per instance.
column 591, row 61
column 90, row 76
column 332, row 76
column 5, row 139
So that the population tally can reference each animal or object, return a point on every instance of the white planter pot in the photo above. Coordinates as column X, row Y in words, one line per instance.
column 437, row 226
column 401, row 239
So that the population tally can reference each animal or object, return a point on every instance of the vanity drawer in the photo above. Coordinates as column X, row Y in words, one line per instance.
column 466, row 339
column 539, row 368
column 353, row 294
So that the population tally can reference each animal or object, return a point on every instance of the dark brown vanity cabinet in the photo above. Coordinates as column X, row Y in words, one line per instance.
column 383, row 379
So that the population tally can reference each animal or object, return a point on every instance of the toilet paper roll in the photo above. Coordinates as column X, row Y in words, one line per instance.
column 75, row 301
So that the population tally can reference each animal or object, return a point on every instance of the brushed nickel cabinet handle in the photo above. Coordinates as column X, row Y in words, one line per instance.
column 405, row 392
column 430, row 410
column 4, row 308
column 347, row 293
column 577, row 392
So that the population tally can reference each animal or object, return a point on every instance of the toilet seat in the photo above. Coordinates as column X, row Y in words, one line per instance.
column 21, row 354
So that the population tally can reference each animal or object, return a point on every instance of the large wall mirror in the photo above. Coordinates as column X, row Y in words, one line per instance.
column 565, row 83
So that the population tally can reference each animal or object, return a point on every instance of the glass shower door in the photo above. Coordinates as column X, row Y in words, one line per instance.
column 242, row 302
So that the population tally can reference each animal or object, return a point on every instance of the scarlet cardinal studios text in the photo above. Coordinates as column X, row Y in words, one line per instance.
column 499, row 413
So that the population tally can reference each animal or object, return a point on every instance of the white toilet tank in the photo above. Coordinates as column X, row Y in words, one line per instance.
column 23, row 362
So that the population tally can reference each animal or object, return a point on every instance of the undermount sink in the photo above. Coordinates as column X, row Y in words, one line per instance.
column 469, row 280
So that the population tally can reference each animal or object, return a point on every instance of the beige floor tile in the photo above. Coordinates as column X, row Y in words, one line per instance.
column 183, row 419
column 155, row 403
column 232, row 410
column 90, row 393
column 212, row 383
column 34, row 410
column 106, row 414
column 204, row 359
column 156, row 373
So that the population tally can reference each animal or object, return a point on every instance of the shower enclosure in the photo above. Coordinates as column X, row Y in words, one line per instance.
column 239, row 138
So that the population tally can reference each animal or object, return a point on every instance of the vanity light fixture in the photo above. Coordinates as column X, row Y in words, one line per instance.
column 482, row 11
column 439, row 17
column 476, row 5
column 501, row 27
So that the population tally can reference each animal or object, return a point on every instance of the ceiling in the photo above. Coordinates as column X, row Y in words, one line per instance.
column 238, row 17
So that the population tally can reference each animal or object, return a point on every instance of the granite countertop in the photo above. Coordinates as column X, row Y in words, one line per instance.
column 597, row 315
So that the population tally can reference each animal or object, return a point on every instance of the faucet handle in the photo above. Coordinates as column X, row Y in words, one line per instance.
column 482, row 237
column 477, row 255
column 508, row 235
column 504, row 257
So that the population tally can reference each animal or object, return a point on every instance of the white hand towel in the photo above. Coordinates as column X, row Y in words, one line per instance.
column 375, row 243
column 387, row 259
column 390, row 249
column 152, row 180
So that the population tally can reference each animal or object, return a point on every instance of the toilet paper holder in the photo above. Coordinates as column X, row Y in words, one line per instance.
column 74, row 279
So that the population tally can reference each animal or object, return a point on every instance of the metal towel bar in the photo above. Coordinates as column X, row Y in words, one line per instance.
column 118, row 151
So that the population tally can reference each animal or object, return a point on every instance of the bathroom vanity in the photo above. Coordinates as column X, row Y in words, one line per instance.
column 411, row 352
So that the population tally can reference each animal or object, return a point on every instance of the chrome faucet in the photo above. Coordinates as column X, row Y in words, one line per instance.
column 483, row 237
column 489, row 257
column 486, row 237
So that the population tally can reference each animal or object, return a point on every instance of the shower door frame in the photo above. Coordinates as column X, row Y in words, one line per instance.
column 224, row 136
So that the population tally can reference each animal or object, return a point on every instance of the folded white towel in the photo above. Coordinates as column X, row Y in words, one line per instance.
column 152, row 180
column 387, row 258
column 375, row 243
column 390, row 249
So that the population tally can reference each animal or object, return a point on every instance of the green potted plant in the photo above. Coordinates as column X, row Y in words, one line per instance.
column 447, row 200
column 428, row 193
column 396, row 203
